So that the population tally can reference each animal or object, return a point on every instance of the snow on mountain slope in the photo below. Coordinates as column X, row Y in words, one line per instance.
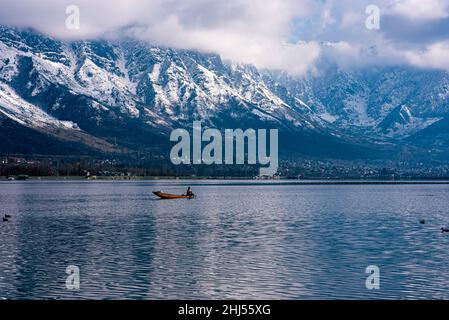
column 15, row 108
column 107, row 87
column 127, row 87
column 355, row 106
column 128, row 91
column 401, row 123
column 30, row 116
column 8, row 63
column 361, row 101
column 186, row 85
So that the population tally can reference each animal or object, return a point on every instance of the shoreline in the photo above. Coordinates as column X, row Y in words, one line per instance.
column 238, row 180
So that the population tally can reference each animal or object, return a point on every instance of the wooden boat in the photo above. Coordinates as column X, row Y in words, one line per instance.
column 171, row 196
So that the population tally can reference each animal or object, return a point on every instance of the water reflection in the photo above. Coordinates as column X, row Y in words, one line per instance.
column 233, row 241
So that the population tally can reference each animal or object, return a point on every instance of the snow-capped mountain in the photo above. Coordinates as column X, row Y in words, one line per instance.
column 379, row 102
column 124, row 94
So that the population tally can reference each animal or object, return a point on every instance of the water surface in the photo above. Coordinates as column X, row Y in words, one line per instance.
column 235, row 240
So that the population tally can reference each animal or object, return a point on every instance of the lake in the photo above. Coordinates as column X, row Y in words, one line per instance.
column 235, row 240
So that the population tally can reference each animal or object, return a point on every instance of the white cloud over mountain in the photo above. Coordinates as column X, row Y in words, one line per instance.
column 277, row 34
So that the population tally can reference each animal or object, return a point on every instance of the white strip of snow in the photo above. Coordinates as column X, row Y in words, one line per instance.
column 27, row 114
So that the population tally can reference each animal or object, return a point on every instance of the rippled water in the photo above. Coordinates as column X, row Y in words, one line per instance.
column 232, row 241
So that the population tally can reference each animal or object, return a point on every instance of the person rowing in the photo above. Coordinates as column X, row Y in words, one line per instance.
column 189, row 192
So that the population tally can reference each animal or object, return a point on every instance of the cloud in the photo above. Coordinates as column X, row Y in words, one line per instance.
column 239, row 30
column 292, row 35
column 242, row 31
column 434, row 56
column 420, row 9
column 235, row 44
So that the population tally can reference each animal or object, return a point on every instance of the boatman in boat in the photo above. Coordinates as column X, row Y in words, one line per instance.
column 189, row 192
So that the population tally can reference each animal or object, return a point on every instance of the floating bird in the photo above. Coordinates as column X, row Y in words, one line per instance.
column 422, row 221
column 5, row 219
column 444, row 230
column 7, row 216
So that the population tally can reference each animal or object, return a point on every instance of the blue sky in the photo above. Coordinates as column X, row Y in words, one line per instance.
column 292, row 35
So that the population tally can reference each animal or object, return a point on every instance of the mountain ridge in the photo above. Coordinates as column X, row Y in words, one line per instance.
column 133, row 94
